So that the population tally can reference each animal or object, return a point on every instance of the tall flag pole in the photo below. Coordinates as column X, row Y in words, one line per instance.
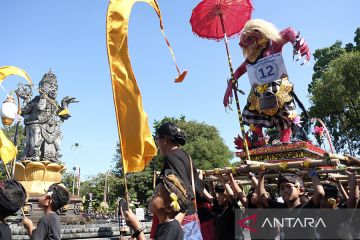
column 136, row 142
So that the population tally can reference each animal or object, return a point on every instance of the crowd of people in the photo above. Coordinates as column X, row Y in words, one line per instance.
column 185, row 206
column 209, row 209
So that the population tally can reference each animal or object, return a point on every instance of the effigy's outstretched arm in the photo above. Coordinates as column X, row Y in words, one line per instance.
column 240, row 71
column 237, row 74
column 299, row 44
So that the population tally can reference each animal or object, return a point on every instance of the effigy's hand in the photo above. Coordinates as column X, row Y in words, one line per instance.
column 301, row 48
column 228, row 95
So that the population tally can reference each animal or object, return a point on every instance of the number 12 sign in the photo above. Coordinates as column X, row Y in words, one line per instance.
column 267, row 69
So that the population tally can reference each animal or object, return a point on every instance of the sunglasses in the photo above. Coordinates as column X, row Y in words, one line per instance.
column 158, row 137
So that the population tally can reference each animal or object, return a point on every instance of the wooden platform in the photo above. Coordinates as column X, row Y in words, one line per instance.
column 285, row 152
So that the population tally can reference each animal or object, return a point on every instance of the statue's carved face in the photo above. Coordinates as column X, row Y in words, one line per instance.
column 50, row 89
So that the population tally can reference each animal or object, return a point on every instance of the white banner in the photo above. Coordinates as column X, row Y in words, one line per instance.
column 140, row 214
column 267, row 69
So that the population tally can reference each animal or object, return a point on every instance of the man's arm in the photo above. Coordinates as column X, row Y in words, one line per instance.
column 353, row 199
column 29, row 226
column 227, row 186
column 238, row 191
column 208, row 195
column 35, row 233
column 340, row 186
column 264, row 197
column 319, row 192
column 180, row 217
column 134, row 223
column 253, row 180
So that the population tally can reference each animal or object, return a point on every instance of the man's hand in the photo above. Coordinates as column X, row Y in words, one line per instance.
column 262, row 173
column 222, row 179
column 352, row 161
column 28, row 224
column 333, row 179
column 231, row 178
column 312, row 173
column 131, row 219
column 351, row 174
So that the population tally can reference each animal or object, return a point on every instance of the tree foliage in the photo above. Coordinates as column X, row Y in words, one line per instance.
column 335, row 92
column 96, row 185
column 204, row 143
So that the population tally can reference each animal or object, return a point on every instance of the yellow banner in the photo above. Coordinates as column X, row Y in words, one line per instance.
column 137, row 144
column 6, row 71
column 7, row 149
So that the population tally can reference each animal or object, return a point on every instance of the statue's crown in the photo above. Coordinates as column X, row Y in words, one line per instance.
column 50, row 78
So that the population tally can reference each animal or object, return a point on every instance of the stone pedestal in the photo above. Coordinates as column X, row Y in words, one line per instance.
column 37, row 176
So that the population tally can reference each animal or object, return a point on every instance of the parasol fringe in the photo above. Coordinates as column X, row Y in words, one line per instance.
column 214, row 38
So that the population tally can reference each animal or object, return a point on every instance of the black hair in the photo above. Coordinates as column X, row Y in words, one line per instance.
column 331, row 190
column 12, row 197
column 173, row 132
column 253, row 190
column 59, row 196
column 219, row 188
column 249, row 196
column 309, row 191
column 289, row 178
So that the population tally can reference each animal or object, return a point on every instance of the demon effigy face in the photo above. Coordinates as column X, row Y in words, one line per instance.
column 255, row 37
column 252, row 43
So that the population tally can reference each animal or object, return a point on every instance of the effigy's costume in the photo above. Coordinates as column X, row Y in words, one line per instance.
column 270, row 102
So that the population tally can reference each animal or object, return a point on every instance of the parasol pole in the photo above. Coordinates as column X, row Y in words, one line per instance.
column 235, row 90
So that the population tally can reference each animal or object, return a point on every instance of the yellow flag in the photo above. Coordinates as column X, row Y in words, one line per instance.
column 6, row 71
column 7, row 149
column 137, row 144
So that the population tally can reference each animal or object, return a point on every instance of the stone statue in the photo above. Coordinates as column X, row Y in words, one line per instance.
column 43, row 117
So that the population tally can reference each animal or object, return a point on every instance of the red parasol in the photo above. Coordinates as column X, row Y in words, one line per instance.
column 218, row 19
column 211, row 19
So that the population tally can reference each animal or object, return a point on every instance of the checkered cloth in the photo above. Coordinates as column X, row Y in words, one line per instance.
column 280, row 120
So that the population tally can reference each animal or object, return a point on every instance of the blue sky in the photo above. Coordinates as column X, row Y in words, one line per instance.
column 69, row 37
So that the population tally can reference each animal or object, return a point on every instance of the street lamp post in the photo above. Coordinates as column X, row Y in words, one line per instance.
column 74, row 178
column 8, row 112
column 75, row 146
